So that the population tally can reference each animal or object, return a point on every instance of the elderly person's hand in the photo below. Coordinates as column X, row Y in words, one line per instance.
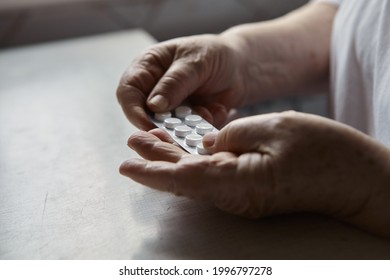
column 205, row 69
column 217, row 73
column 275, row 163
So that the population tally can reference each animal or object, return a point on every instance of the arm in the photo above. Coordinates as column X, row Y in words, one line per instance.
column 217, row 73
column 275, row 163
column 285, row 55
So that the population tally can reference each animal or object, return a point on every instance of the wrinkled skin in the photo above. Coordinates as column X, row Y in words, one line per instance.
column 271, row 164
column 262, row 165
column 204, row 66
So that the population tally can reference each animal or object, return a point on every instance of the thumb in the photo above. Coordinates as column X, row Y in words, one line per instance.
column 178, row 82
column 251, row 134
column 236, row 137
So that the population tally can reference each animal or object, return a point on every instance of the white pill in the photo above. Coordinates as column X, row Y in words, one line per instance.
column 182, row 111
column 192, row 120
column 162, row 116
column 182, row 130
column 193, row 140
column 203, row 128
column 171, row 123
column 201, row 150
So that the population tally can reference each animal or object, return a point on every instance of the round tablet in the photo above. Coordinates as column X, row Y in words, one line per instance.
column 171, row 123
column 162, row 116
column 193, row 139
column 203, row 128
column 182, row 111
column 201, row 150
column 182, row 130
column 192, row 120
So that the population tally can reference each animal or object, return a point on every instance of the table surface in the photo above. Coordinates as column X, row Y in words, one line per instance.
column 62, row 139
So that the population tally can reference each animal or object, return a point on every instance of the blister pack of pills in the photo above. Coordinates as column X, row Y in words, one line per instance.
column 185, row 127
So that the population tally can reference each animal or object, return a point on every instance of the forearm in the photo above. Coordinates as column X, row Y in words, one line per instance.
column 352, row 178
column 285, row 55
column 373, row 212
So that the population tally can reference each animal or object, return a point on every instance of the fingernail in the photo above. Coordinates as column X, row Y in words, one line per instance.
column 159, row 102
column 209, row 139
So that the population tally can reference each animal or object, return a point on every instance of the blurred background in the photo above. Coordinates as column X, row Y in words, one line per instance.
column 31, row 21
column 25, row 22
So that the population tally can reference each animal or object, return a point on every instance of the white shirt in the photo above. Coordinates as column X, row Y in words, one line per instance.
column 360, row 66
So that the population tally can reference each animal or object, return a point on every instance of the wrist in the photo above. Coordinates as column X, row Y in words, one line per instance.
column 240, row 50
column 266, row 58
column 354, row 186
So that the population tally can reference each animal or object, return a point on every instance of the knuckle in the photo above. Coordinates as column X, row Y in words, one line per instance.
column 195, row 61
column 156, row 56
column 157, row 147
column 283, row 121
column 261, row 186
column 170, row 81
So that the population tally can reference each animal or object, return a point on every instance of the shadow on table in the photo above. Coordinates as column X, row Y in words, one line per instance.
column 193, row 230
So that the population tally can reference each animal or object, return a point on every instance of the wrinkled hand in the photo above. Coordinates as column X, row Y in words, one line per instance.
column 270, row 164
column 204, row 70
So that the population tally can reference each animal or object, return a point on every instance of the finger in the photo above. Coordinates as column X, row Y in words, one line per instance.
column 155, row 174
column 233, row 114
column 132, row 102
column 138, row 81
column 219, row 113
column 204, row 113
column 162, row 135
column 214, row 113
column 209, row 141
column 179, row 81
column 252, row 134
column 194, row 176
column 151, row 147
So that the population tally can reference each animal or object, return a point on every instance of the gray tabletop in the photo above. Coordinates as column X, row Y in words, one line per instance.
column 62, row 139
